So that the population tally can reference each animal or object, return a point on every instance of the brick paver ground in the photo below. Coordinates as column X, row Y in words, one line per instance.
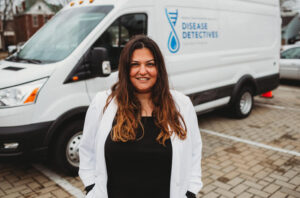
column 276, row 127
column 229, row 168
column 24, row 181
column 288, row 96
column 239, row 170
column 232, row 169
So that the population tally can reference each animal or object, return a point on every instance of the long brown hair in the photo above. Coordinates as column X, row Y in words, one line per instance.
column 128, row 117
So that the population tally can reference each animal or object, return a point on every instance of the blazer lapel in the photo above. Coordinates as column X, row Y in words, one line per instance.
column 103, row 131
column 108, row 117
column 175, row 171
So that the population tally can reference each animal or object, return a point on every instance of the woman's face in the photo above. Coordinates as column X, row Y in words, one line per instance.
column 143, row 71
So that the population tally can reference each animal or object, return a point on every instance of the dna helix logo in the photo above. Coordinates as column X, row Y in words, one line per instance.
column 173, row 41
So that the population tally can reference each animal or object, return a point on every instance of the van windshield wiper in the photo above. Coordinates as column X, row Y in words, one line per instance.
column 35, row 61
column 18, row 59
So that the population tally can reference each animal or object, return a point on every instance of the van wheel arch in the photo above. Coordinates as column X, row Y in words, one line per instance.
column 241, row 101
column 244, row 81
column 55, row 134
column 63, row 120
column 64, row 150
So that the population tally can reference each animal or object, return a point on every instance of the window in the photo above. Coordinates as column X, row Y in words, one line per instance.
column 35, row 22
column 293, row 53
column 119, row 33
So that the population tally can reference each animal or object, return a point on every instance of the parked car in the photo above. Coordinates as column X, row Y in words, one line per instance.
column 286, row 47
column 14, row 48
column 289, row 65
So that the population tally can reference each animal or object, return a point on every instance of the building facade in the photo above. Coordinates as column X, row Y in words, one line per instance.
column 30, row 16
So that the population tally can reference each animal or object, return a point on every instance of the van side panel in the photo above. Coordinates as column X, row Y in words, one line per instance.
column 219, row 41
column 191, row 19
column 251, row 37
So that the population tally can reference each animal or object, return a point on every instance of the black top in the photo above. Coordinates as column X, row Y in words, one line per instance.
column 140, row 168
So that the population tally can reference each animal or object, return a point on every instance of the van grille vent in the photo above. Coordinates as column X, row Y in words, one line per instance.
column 13, row 68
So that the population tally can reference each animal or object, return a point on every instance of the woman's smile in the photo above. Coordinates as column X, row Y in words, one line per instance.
column 143, row 79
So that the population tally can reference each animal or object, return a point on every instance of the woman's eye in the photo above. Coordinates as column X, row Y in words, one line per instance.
column 133, row 64
column 151, row 64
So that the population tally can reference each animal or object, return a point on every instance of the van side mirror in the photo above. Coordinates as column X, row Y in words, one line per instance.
column 94, row 63
column 99, row 63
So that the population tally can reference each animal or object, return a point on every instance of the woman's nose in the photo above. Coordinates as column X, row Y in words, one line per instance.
column 143, row 69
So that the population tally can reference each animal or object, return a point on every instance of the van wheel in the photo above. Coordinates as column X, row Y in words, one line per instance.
column 66, row 149
column 243, row 103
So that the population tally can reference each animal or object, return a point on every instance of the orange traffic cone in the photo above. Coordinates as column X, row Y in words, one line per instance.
column 267, row 94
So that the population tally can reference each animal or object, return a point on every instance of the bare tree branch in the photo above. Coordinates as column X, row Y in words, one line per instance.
column 6, row 7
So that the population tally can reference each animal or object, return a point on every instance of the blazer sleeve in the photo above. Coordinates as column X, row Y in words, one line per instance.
column 195, row 182
column 87, row 142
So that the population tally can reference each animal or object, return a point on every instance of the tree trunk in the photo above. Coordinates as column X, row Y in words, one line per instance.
column 2, row 41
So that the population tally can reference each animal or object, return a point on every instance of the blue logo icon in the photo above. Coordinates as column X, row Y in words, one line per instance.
column 173, row 41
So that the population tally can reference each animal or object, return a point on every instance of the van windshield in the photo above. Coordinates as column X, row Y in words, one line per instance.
column 61, row 35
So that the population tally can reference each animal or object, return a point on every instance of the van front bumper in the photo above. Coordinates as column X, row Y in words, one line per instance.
column 23, row 140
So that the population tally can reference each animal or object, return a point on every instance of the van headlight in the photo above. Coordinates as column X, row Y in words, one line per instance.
column 21, row 94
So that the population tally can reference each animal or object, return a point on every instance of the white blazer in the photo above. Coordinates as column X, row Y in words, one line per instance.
column 186, row 154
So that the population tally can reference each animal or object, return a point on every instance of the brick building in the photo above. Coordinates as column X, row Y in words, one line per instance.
column 9, row 33
column 30, row 16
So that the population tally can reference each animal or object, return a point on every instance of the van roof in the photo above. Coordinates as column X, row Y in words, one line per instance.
column 116, row 3
column 129, row 3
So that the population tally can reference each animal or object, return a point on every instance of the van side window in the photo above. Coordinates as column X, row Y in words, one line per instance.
column 119, row 33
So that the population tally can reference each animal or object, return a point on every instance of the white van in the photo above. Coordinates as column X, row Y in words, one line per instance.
column 218, row 52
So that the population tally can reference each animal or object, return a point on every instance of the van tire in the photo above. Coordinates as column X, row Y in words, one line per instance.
column 243, row 103
column 66, row 148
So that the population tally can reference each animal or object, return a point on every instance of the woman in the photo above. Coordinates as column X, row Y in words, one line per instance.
column 141, row 139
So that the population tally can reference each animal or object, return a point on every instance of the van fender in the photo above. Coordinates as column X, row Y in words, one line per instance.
column 73, row 114
column 246, row 80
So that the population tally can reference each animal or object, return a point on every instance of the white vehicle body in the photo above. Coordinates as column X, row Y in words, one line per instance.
column 215, row 52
